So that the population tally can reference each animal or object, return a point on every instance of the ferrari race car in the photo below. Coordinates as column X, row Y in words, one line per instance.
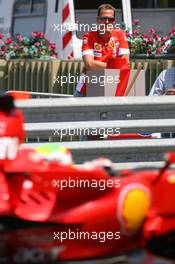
column 52, row 210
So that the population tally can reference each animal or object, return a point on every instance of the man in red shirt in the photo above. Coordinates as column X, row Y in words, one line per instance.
column 98, row 46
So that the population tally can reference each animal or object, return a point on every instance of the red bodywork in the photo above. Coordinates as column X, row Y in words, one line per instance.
column 38, row 193
column 44, row 209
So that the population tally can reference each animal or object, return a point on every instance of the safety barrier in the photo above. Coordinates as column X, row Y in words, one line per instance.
column 120, row 150
column 57, row 120
column 45, row 75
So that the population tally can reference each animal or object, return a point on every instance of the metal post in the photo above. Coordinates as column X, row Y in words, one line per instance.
column 127, row 16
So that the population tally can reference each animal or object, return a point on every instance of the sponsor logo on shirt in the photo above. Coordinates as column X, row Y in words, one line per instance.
column 96, row 54
column 111, row 43
column 97, row 47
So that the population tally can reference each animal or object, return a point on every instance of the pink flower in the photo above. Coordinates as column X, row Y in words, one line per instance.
column 8, row 41
column 149, row 50
column 37, row 34
column 49, row 47
column 152, row 31
column 156, row 37
column 40, row 34
column 15, row 46
column 165, row 38
column 136, row 22
column 1, row 36
column 150, row 40
column 159, row 50
column 53, row 46
column 136, row 31
column 34, row 34
column 19, row 38
column 172, row 31
column 144, row 36
column 37, row 44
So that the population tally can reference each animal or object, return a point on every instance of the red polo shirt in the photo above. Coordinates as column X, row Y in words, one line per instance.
column 102, row 49
column 95, row 45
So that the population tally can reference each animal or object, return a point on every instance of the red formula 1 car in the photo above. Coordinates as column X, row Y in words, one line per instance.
column 54, row 211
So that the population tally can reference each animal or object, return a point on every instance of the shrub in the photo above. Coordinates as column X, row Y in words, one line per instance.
column 36, row 46
column 150, row 43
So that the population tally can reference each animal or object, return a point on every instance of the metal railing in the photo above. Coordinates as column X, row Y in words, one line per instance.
column 98, row 109
column 142, row 150
column 46, row 119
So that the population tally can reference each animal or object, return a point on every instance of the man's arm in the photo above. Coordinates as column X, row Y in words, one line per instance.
column 88, row 58
column 91, row 64
column 123, row 49
column 88, row 54
column 126, row 56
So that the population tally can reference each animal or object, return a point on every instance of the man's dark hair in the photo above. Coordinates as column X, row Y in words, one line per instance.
column 106, row 7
